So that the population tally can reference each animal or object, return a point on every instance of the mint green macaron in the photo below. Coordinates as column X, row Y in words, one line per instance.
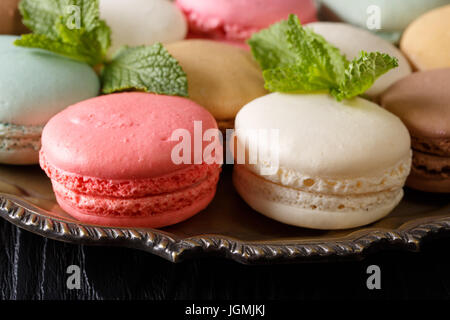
column 394, row 15
column 34, row 86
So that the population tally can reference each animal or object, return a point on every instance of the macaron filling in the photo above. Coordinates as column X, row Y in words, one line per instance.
column 144, row 206
column 17, row 137
column 247, row 182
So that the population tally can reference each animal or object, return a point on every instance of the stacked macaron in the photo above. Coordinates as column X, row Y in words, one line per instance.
column 111, row 160
column 422, row 101
column 334, row 160
column 235, row 21
column 334, row 167
column 34, row 86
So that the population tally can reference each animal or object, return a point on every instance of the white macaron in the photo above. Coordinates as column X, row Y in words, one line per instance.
column 142, row 22
column 340, row 164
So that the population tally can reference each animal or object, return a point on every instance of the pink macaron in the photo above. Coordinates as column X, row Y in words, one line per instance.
column 236, row 20
column 111, row 159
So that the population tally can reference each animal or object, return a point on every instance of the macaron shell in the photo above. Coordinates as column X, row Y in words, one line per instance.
column 222, row 78
column 426, row 42
column 321, row 137
column 352, row 40
column 10, row 18
column 142, row 22
column 422, row 101
column 123, row 136
column 36, row 84
column 239, row 19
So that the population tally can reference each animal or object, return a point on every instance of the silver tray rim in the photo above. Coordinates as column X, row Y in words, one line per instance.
column 355, row 246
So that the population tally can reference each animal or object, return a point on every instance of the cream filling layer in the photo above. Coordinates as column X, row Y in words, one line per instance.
column 249, row 182
column 392, row 178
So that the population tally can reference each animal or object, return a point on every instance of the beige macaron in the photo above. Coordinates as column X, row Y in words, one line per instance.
column 426, row 42
column 221, row 77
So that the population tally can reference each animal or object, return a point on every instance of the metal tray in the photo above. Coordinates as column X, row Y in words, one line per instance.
column 228, row 227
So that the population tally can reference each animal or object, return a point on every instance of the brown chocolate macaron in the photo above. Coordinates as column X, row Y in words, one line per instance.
column 10, row 19
column 422, row 102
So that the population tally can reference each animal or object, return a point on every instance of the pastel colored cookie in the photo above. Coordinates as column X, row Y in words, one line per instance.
column 339, row 165
column 142, row 22
column 239, row 19
column 426, row 42
column 110, row 160
column 34, row 86
column 222, row 78
column 352, row 40
column 10, row 18
column 422, row 101
column 394, row 16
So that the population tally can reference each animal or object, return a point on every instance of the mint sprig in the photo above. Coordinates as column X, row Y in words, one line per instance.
column 145, row 68
column 50, row 20
column 295, row 59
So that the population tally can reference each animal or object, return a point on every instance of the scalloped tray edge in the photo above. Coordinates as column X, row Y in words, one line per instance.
column 409, row 238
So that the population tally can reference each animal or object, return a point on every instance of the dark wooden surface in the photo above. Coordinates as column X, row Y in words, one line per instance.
column 32, row 267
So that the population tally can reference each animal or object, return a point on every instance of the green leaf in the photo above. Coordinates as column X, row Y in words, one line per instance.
column 271, row 48
column 43, row 42
column 362, row 73
column 68, row 27
column 316, row 56
column 146, row 68
column 40, row 16
column 295, row 59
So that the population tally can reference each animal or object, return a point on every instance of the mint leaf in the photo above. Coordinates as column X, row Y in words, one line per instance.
column 271, row 48
column 40, row 16
column 295, row 59
column 146, row 68
column 292, row 79
column 362, row 73
column 43, row 42
column 317, row 58
column 55, row 28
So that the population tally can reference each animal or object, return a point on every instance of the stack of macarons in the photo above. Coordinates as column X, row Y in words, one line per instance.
column 340, row 164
